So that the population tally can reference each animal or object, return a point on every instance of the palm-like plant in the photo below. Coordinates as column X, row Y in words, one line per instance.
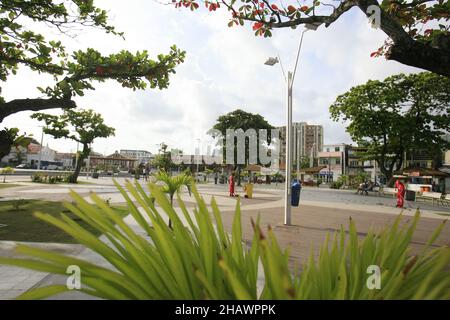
column 200, row 260
column 172, row 185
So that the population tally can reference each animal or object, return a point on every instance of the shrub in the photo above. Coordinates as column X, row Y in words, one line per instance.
column 39, row 177
column 200, row 260
column 55, row 179
column 5, row 171
column 70, row 179
column 336, row 185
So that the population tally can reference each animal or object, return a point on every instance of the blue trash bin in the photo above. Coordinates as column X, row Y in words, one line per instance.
column 295, row 193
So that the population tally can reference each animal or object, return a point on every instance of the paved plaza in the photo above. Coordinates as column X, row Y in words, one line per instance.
column 321, row 211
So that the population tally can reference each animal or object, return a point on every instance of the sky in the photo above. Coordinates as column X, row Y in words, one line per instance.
column 224, row 70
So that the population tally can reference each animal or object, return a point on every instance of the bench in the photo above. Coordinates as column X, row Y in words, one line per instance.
column 446, row 200
column 434, row 197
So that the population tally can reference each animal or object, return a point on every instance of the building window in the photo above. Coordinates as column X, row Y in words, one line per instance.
column 336, row 149
column 328, row 149
column 338, row 161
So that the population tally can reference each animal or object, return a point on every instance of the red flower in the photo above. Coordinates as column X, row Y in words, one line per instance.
column 291, row 9
column 261, row 4
column 373, row 54
column 304, row 8
column 428, row 31
column 212, row 7
column 257, row 26
column 274, row 7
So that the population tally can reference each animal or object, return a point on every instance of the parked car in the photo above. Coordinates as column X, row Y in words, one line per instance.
column 23, row 166
column 54, row 167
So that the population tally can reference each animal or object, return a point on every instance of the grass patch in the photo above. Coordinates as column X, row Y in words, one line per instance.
column 85, row 182
column 8, row 185
column 22, row 225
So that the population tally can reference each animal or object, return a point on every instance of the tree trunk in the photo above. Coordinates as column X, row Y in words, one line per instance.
column 171, row 204
column 83, row 155
column 385, row 171
column 239, row 175
column 432, row 57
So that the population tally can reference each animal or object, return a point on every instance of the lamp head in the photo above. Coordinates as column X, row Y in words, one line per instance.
column 271, row 61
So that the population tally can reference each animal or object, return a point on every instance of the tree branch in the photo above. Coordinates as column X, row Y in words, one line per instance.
column 404, row 49
column 327, row 20
column 18, row 105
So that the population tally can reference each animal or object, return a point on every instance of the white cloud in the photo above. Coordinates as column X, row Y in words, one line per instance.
column 223, row 71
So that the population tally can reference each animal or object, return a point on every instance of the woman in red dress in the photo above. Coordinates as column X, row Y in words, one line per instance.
column 400, row 194
column 231, row 182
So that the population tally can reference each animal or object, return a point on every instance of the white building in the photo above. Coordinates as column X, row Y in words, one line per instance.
column 142, row 156
column 332, row 156
column 34, row 154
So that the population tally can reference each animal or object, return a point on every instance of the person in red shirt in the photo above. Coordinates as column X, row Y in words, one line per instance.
column 231, row 187
column 400, row 194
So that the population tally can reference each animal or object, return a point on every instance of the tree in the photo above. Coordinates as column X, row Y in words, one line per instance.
column 75, row 72
column 401, row 113
column 10, row 138
column 304, row 162
column 240, row 119
column 83, row 126
column 5, row 171
column 163, row 160
column 418, row 30
column 173, row 185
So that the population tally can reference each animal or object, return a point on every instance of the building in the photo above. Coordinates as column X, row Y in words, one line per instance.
column 142, row 156
column 307, row 141
column 34, row 154
column 340, row 159
column 332, row 157
column 67, row 159
column 355, row 163
column 113, row 161
column 15, row 157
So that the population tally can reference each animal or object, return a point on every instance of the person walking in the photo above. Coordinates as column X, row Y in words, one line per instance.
column 400, row 194
column 146, row 172
column 216, row 177
column 231, row 186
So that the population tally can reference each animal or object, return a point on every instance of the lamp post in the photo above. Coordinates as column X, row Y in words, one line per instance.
column 40, row 151
column 198, row 158
column 298, row 153
column 290, row 81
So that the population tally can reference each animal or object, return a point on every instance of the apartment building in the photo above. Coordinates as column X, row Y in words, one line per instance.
column 307, row 141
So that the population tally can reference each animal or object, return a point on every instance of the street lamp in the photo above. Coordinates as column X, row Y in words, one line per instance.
column 290, row 81
column 198, row 156
column 40, row 151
